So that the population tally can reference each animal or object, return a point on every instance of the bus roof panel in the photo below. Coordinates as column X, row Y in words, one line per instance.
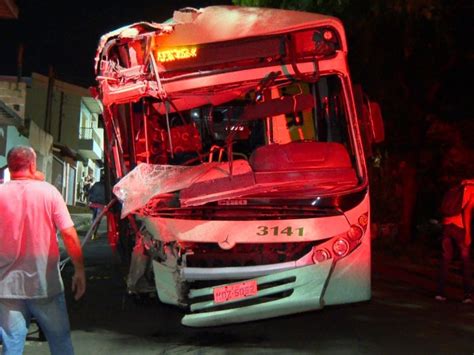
column 225, row 23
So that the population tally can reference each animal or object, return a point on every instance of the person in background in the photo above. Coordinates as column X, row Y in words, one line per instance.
column 88, row 181
column 30, row 282
column 457, row 231
column 97, row 199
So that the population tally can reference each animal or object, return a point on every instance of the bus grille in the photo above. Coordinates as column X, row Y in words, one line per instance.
column 210, row 255
column 240, row 213
column 201, row 302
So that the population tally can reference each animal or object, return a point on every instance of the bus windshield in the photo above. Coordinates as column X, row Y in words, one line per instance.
column 296, row 130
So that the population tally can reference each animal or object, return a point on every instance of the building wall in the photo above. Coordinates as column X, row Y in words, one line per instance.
column 65, row 111
column 71, row 110
column 13, row 94
column 13, row 138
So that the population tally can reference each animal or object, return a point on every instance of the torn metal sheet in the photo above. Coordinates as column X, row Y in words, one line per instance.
column 148, row 180
column 140, row 265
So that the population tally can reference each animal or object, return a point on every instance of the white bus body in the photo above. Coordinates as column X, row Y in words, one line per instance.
column 237, row 150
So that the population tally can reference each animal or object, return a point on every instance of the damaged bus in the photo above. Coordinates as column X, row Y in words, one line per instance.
column 236, row 145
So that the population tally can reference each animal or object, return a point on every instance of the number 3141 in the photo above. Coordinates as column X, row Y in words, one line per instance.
column 265, row 230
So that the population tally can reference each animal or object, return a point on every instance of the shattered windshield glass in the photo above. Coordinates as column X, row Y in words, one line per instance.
column 150, row 180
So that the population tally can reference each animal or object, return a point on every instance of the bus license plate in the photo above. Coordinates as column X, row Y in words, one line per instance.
column 235, row 291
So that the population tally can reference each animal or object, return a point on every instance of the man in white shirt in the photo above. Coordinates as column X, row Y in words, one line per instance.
column 30, row 282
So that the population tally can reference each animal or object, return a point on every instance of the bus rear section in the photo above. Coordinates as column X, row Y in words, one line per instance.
column 236, row 152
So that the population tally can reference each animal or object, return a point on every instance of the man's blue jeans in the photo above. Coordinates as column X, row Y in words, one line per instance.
column 51, row 315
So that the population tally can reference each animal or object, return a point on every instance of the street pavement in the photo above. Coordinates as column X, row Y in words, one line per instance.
column 402, row 317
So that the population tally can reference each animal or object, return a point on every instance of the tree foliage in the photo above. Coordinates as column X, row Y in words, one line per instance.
column 415, row 58
column 322, row 6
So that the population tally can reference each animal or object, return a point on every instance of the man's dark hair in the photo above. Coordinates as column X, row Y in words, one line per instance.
column 19, row 158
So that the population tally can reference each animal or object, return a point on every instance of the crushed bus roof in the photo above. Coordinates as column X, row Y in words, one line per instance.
column 224, row 23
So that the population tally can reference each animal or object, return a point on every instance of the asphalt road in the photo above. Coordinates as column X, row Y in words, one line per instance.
column 401, row 318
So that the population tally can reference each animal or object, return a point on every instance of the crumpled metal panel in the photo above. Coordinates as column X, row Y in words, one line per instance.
column 147, row 180
column 169, row 285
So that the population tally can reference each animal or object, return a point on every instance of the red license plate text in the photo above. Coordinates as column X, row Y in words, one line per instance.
column 235, row 291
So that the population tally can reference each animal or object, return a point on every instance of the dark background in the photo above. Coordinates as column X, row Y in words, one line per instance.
column 65, row 34
column 415, row 57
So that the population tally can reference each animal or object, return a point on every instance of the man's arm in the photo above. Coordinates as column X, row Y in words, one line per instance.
column 73, row 248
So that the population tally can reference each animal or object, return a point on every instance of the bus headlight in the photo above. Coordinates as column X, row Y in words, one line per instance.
column 320, row 255
column 363, row 220
column 341, row 247
column 355, row 233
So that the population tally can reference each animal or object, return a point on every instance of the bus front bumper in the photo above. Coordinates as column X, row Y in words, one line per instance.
column 282, row 293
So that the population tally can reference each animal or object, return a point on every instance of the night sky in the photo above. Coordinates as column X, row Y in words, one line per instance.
column 65, row 34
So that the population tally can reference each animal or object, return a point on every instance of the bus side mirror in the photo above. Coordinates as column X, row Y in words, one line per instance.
column 370, row 120
column 376, row 122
